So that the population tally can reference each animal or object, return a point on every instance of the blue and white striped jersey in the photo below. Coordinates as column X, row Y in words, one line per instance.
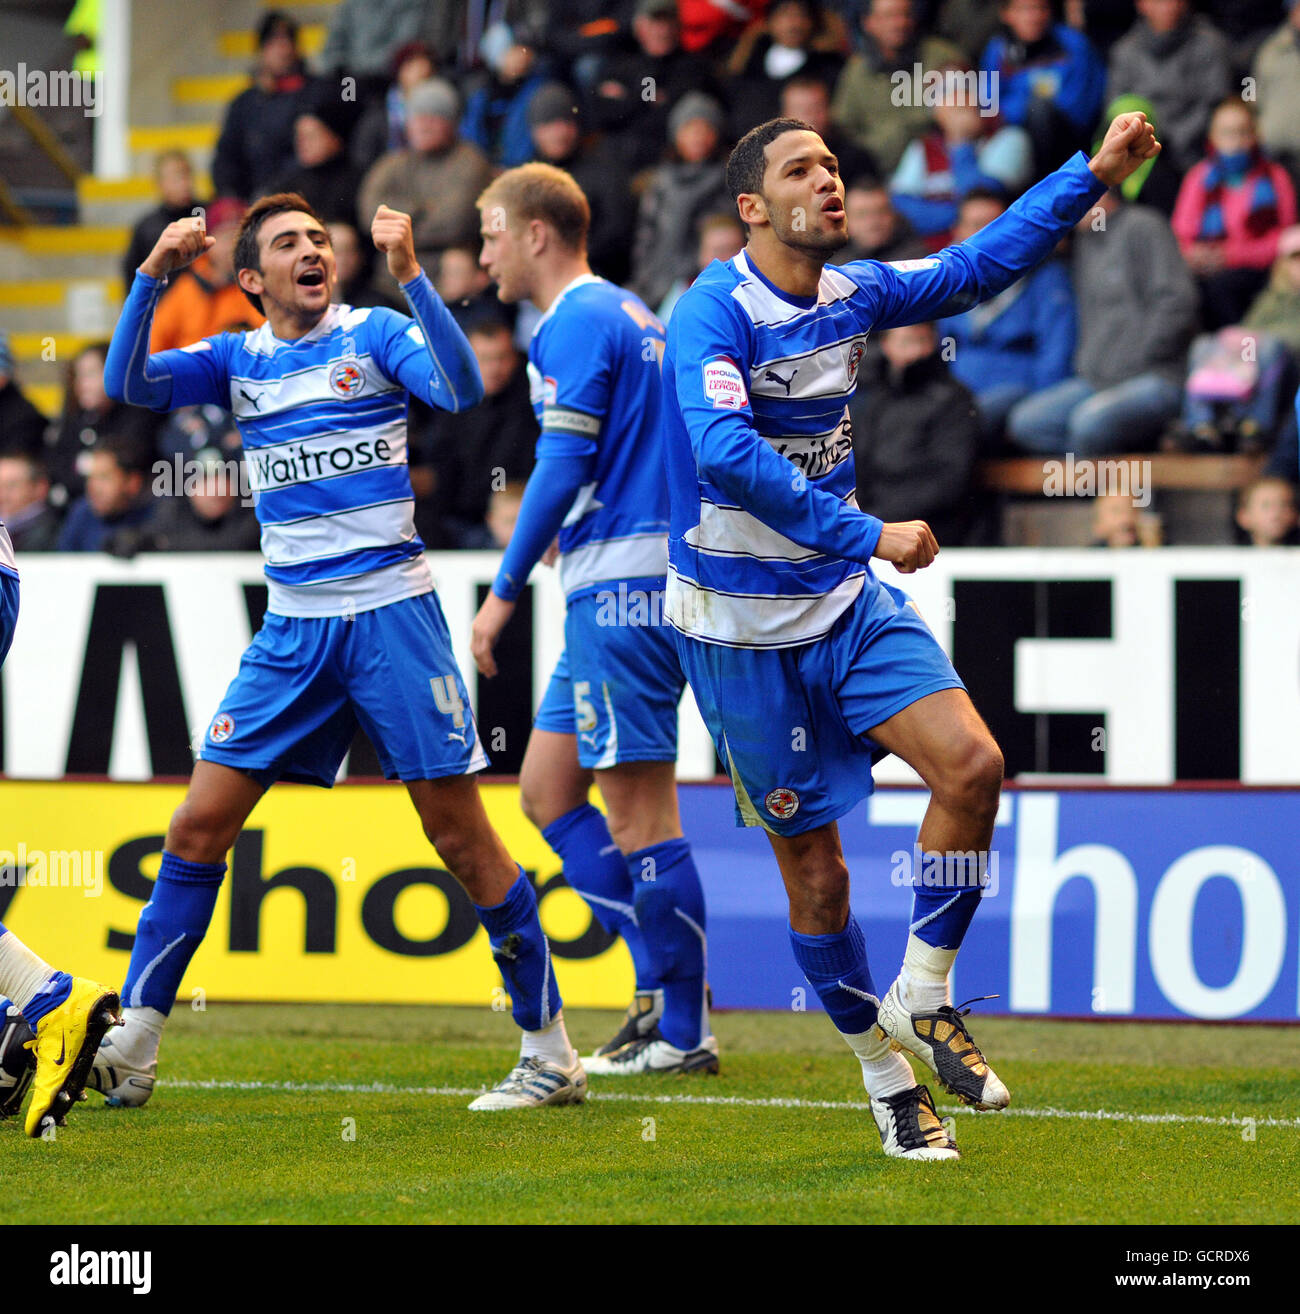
column 323, row 422
column 593, row 369
column 7, row 562
column 766, row 545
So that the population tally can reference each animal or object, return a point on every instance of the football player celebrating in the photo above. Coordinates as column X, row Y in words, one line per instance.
column 354, row 632
column 611, row 707
column 58, row 1019
column 780, row 621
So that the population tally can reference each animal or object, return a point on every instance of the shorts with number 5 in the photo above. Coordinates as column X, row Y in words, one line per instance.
column 306, row 683
column 619, row 681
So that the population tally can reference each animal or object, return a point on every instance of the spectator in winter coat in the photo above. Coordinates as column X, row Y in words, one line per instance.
column 436, row 180
column 870, row 105
column 1021, row 341
column 964, row 150
column 175, row 181
column 916, row 437
column 1231, row 209
column 256, row 142
column 496, row 113
column 680, row 194
column 1050, row 80
column 117, row 496
column 1180, row 63
column 1136, row 306
column 1277, row 84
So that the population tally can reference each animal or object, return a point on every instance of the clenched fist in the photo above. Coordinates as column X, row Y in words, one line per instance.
column 1130, row 139
column 391, row 234
column 180, row 243
column 909, row 545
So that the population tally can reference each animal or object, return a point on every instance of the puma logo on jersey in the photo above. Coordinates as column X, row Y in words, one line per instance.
column 776, row 378
column 254, row 402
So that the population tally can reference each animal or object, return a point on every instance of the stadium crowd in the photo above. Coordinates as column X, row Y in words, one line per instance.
column 1172, row 322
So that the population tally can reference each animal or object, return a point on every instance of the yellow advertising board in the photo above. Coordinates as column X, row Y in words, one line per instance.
column 331, row 896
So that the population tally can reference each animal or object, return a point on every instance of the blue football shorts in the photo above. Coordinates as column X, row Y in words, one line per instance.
column 306, row 683
column 619, row 680
column 791, row 724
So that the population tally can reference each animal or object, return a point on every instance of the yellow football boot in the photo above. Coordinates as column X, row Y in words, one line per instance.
column 65, row 1044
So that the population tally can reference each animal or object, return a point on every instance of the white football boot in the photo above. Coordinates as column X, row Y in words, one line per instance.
column 533, row 1082
column 941, row 1040
column 910, row 1128
column 126, row 1062
column 642, row 1016
column 652, row 1053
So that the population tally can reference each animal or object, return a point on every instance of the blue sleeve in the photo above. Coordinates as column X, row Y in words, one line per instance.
column 577, row 381
column 552, row 486
column 1054, row 325
column 959, row 277
column 432, row 358
column 189, row 376
column 711, row 347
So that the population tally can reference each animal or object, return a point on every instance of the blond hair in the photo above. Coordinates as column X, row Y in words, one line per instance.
column 540, row 191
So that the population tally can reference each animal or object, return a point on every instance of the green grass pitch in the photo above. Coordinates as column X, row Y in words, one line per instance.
column 356, row 1114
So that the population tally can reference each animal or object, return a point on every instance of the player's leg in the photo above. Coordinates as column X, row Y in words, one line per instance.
column 553, row 792
column 456, row 824
column 172, row 925
column 644, row 820
column 407, row 691
column 40, row 1002
column 831, row 952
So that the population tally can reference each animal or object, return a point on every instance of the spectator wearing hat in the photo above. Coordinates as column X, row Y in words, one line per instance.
column 323, row 175
column 436, row 180
column 635, row 88
column 555, row 122
column 204, row 298
column 22, row 426
column 680, row 193
column 25, row 509
column 383, row 123
column 256, row 141
column 174, row 179
column 496, row 113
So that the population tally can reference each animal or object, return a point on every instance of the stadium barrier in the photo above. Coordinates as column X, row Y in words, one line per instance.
column 1099, row 902
column 1135, row 667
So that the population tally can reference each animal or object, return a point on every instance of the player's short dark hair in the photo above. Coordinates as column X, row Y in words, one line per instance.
column 247, row 256
column 541, row 191
column 747, row 164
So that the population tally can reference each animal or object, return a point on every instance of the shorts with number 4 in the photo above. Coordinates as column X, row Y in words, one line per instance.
column 792, row 725
column 306, row 683
column 618, row 683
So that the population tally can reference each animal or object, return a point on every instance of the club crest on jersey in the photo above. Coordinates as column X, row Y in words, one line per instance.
column 724, row 385
column 855, row 359
column 782, row 803
column 222, row 728
column 346, row 378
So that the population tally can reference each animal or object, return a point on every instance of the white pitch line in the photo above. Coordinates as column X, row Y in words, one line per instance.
column 738, row 1101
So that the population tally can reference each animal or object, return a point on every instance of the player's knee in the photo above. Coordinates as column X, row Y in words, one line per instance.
column 974, row 780
column 200, row 832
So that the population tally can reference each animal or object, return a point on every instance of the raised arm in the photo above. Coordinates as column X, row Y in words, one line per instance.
column 959, row 277
column 433, row 359
column 170, row 378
